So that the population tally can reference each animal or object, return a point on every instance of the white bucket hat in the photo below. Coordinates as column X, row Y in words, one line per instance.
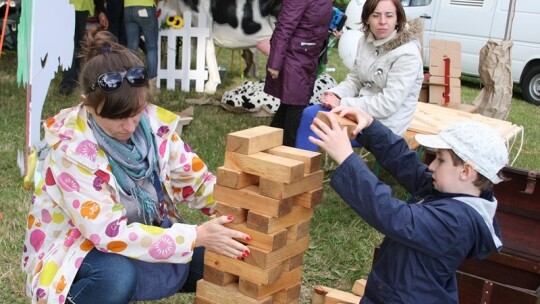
column 473, row 142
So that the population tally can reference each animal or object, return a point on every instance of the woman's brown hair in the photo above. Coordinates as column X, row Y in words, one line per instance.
column 101, row 53
column 370, row 6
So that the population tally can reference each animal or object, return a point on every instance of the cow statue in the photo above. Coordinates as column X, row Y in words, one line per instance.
column 233, row 24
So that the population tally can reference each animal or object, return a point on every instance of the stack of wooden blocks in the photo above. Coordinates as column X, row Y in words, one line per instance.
column 270, row 190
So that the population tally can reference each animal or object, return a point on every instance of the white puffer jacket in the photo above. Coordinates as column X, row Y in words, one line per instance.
column 386, row 78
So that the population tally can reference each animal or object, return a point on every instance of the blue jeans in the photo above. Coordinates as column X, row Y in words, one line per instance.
column 114, row 278
column 143, row 19
column 302, row 140
column 104, row 278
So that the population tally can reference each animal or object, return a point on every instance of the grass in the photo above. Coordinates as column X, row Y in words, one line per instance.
column 341, row 244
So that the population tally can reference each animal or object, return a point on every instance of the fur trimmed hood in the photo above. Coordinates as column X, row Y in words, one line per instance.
column 413, row 29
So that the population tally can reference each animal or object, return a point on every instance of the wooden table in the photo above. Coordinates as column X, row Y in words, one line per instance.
column 432, row 118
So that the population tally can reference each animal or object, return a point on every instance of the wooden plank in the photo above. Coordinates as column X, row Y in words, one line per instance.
column 327, row 295
column 250, row 198
column 235, row 179
column 289, row 295
column 311, row 160
column 343, row 122
column 309, row 199
column 225, row 294
column 267, row 224
column 254, row 140
column 239, row 214
column 259, row 291
column 265, row 165
column 242, row 269
column 218, row 277
column 359, row 287
column 201, row 300
column 280, row 190
column 266, row 241
column 298, row 231
column 265, row 259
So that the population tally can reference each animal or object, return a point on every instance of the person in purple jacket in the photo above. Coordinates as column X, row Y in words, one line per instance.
column 299, row 37
column 451, row 216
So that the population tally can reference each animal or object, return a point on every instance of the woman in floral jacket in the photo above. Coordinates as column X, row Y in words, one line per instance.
column 103, row 226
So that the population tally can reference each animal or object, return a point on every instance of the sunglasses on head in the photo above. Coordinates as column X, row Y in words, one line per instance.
column 112, row 81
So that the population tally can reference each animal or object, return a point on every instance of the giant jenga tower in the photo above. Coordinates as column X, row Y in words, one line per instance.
column 270, row 190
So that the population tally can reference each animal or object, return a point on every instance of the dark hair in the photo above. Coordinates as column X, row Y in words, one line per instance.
column 481, row 182
column 101, row 53
column 370, row 6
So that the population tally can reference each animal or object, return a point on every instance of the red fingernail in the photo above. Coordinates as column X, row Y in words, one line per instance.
column 239, row 258
column 248, row 238
column 247, row 252
column 230, row 217
column 244, row 255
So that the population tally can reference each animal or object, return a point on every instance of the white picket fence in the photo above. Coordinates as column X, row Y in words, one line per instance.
column 185, row 74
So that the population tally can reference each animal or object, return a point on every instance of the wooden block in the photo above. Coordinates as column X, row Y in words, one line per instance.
column 225, row 294
column 309, row 199
column 266, row 165
column 311, row 160
column 298, row 231
column 294, row 262
column 200, row 300
column 266, row 241
column 239, row 214
column 265, row 259
column 333, row 296
column 280, row 190
column 254, row 140
column 289, row 295
column 259, row 291
column 242, row 269
column 218, row 277
column 359, row 287
column 249, row 198
column 267, row 224
column 235, row 179
column 343, row 122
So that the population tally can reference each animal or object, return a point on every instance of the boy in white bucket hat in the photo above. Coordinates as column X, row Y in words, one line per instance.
column 450, row 218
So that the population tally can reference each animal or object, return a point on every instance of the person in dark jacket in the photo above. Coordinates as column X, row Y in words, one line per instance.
column 299, row 37
column 450, row 218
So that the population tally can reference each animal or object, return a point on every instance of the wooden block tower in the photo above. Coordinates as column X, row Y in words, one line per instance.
column 270, row 190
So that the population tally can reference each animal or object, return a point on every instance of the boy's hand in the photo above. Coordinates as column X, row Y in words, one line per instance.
column 333, row 139
column 362, row 119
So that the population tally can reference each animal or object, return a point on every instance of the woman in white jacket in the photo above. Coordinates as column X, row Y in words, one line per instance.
column 387, row 75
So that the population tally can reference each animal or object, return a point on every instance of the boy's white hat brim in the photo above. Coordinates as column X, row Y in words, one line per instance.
column 432, row 141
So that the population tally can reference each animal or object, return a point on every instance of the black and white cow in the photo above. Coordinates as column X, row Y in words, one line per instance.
column 234, row 24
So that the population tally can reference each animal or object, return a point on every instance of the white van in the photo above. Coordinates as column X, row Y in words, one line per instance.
column 473, row 22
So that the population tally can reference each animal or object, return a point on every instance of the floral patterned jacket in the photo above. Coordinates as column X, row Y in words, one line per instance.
column 75, row 205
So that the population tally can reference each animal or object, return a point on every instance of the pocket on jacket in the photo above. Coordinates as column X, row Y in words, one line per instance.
column 377, row 290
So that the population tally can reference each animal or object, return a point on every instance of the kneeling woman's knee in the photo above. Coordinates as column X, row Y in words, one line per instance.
column 119, row 278
column 311, row 111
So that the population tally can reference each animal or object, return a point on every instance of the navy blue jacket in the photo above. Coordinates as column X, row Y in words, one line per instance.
column 425, row 239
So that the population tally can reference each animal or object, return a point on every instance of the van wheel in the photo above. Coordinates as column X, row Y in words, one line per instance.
column 530, row 86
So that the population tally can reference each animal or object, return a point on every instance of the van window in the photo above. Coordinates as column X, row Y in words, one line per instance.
column 406, row 3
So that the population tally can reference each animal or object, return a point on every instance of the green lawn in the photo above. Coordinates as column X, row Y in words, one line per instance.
column 341, row 243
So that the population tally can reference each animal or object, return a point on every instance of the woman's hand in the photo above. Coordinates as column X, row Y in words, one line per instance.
column 330, row 100
column 333, row 139
column 362, row 118
column 213, row 236
column 273, row 73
